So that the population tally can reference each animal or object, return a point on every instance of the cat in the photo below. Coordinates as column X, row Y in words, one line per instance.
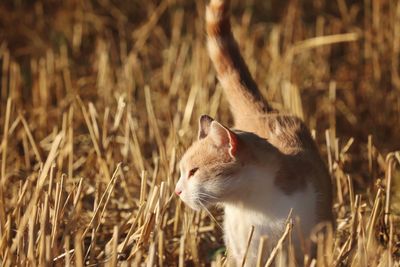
column 265, row 167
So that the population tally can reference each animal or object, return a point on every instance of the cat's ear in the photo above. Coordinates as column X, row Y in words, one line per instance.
column 204, row 126
column 223, row 137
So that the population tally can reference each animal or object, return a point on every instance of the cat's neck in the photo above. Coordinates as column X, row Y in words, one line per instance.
column 251, row 186
column 256, row 150
column 254, row 179
column 255, row 191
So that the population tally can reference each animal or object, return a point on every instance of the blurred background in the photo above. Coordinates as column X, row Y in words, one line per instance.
column 101, row 49
column 130, row 79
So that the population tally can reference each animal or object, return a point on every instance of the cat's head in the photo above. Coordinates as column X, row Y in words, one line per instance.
column 208, row 167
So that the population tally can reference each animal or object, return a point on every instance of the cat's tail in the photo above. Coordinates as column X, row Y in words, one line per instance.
column 241, row 90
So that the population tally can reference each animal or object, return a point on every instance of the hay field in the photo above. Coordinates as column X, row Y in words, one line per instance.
column 99, row 99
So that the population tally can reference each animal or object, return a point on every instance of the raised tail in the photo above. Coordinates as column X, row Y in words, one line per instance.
column 241, row 90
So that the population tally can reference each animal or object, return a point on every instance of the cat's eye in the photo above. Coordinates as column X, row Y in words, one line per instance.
column 192, row 172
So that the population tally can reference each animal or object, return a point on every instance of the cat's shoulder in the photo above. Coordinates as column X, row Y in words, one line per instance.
column 289, row 133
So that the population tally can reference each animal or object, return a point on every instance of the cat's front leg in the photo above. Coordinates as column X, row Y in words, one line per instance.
column 231, row 261
column 232, row 243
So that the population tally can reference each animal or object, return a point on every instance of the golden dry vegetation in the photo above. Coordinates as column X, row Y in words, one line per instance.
column 99, row 99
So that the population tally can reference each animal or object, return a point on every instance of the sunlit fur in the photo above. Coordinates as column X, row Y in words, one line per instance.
column 245, row 185
column 258, row 174
column 214, row 180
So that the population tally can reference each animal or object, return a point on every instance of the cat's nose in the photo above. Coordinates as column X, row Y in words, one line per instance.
column 178, row 192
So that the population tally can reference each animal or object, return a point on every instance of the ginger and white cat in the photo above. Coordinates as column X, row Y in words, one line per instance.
column 260, row 172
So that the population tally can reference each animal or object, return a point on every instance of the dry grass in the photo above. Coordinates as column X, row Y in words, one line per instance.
column 98, row 100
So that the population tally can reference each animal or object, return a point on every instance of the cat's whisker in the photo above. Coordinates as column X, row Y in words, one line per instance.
column 211, row 216
column 207, row 195
column 204, row 201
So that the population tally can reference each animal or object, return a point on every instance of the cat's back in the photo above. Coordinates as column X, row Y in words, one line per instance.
column 287, row 133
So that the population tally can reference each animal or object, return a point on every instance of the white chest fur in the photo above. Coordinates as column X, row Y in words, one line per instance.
column 266, row 208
